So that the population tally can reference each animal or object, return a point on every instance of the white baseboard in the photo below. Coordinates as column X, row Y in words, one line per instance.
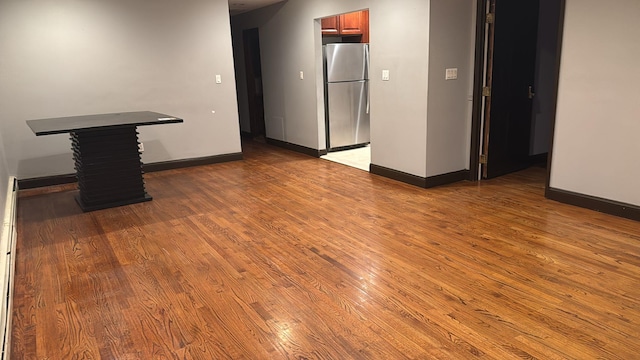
column 7, row 265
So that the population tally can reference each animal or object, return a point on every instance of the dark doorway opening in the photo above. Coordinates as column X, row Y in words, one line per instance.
column 254, row 81
column 510, row 77
column 516, row 82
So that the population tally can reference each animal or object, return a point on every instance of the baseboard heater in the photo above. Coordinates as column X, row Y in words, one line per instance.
column 7, row 265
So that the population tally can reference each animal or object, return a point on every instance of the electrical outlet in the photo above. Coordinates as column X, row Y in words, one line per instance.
column 451, row 74
column 141, row 147
column 385, row 75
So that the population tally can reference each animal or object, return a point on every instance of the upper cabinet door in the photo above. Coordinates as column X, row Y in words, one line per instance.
column 351, row 23
column 330, row 25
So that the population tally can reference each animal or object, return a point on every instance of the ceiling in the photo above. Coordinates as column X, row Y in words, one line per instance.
column 239, row 6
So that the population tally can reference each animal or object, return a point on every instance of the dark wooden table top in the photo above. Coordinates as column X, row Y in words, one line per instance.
column 88, row 122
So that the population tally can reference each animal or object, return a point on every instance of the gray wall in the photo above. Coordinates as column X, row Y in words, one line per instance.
column 399, row 35
column 597, row 134
column 71, row 57
column 450, row 101
column 400, row 42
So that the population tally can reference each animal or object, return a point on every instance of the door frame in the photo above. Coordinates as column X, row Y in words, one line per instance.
column 478, row 84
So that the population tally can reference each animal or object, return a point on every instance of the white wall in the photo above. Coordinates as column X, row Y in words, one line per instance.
column 66, row 57
column 449, row 107
column 597, row 134
column 290, row 42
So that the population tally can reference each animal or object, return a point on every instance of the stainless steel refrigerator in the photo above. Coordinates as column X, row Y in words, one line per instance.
column 347, row 95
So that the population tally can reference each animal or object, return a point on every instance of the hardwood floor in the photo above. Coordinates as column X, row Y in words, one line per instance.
column 284, row 256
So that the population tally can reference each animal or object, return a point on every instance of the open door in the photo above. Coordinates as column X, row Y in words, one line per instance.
column 509, row 92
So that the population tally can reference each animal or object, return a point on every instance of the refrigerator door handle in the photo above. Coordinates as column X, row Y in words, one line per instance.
column 366, row 59
column 368, row 96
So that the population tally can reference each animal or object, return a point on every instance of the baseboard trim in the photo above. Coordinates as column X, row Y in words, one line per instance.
column 47, row 181
column 398, row 175
column 448, row 178
column 9, row 221
column 152, row 167
column 428, row 182
column 179, row 164
column 8, row 240
column 297, row 148
column 595, row 203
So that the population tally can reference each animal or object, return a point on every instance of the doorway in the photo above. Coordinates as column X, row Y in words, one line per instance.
column 253, row 68
column 516, row 82
column 345, row 49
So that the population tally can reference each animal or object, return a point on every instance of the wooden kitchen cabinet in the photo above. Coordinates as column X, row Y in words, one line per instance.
column 350, row 24
column 364, row 25
column 331, row 25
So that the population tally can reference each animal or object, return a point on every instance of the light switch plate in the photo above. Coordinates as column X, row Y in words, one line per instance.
column 385, row 75
column 218, row 79
column 301, row 75
column 451, row 74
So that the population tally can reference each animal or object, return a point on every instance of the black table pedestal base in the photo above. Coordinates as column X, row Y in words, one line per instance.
column 108, row 167
column 94, row 207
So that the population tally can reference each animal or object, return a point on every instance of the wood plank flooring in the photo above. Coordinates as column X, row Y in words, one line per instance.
column 284, row 256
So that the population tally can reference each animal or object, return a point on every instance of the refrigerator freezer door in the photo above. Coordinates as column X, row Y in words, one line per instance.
column 348, row 116
column 347, row 62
